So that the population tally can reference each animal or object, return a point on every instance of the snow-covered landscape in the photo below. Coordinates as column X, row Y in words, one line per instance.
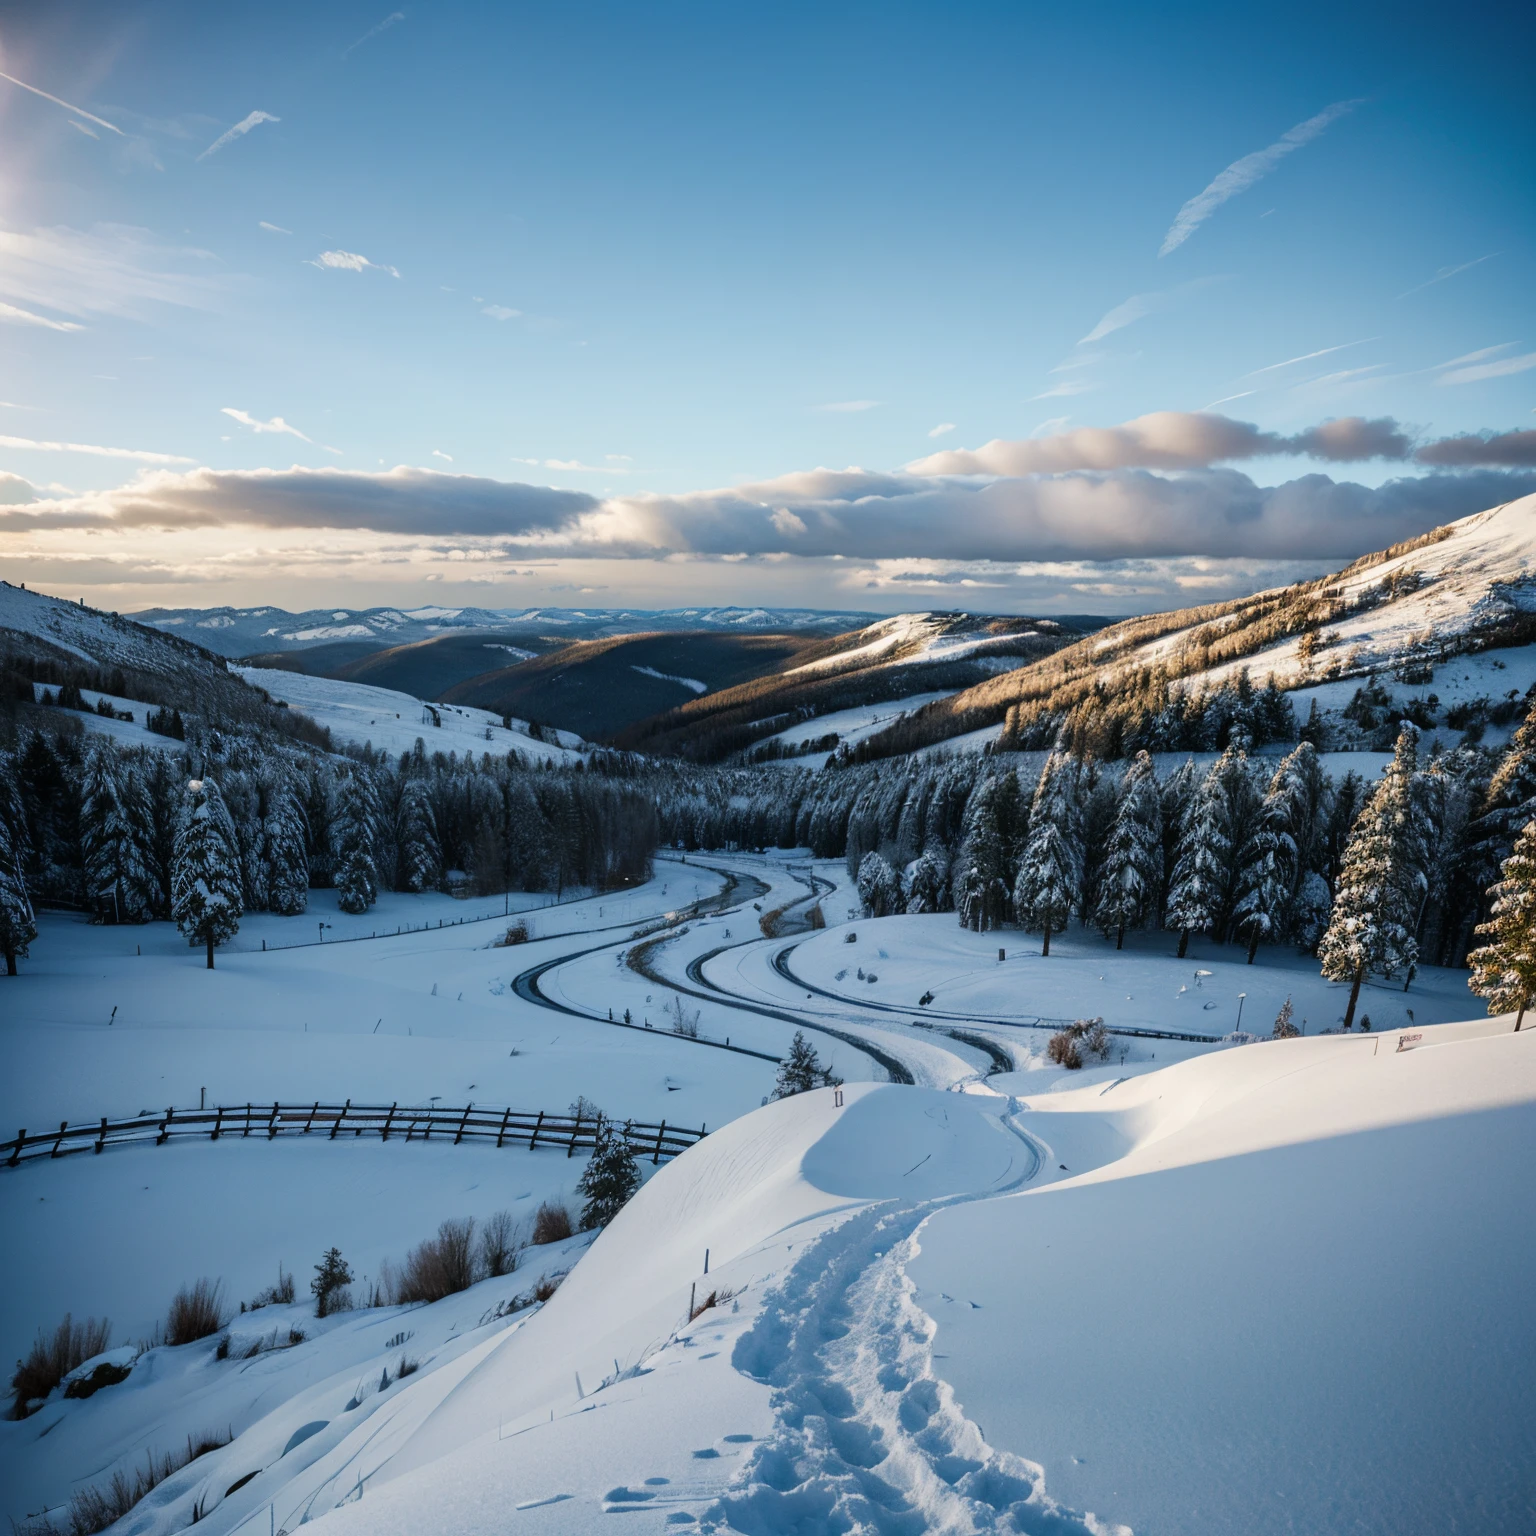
column 683, row 848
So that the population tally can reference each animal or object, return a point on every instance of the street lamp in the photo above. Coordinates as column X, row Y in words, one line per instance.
column 1240, row 997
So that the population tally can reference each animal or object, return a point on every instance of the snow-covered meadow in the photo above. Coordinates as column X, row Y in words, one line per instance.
column 1195, row 1287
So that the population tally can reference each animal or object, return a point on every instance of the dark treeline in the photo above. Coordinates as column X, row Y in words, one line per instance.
column 87, row 823
column 1249, row 850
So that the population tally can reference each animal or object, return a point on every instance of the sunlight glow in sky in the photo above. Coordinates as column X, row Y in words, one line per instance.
column 880, row 307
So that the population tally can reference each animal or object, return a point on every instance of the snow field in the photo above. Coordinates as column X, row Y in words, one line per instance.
column 392, row 721
column 1287, row 1308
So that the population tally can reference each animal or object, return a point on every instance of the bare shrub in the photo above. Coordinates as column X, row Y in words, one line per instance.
column 197, row 1311
column 546, row 1288
column 583, row 1109
column 1097, row 1040
column 551, row 1223
column 714, row 1299
column 280, row 1294
column 1063, row 1050
column 442, row 1265
column 684, row 1021
column 407, row 1367
column 53, row 1356
column 93, row 1509
column 516, row 934
column 498, row 1244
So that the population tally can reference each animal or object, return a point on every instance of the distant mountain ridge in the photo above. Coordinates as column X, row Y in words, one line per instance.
column 240, row 632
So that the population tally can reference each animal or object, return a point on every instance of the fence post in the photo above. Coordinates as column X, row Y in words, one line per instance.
column 218, row 1122
column 59, row 1139
column 311, row 1119
column 272, row 1122
column 165, row 1127
column 660, row 1132
column 247, row 1130
column 462, row 1123
column 387, row 1118
column 21, row 1138
column 101, row 1140
column 575, row 1132
column 336, row 1125
column 533, row 1140
column 501, row 1134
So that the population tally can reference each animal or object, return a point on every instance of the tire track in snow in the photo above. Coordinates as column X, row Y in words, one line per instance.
column 868, row 1439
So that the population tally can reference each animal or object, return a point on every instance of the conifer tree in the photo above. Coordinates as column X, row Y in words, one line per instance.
column 879, row 887
column 17, row 926
column 609, row 1179
column 1051, row 870
column 420, row 861
column 205, row 880
column 1133, row 859
column 1504, row 969
column 353, row 837
column 1201, row 897
column 1276, row 858
column 117, row 884
column 1377, row 899
column 802, row 1070
column 286, row 842
column 981, row 870
column 1284, row 1029
column 927, row 881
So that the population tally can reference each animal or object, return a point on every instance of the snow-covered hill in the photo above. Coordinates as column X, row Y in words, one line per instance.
column 393, row 722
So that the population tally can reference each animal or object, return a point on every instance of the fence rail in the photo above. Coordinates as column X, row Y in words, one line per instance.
column 404, row 1122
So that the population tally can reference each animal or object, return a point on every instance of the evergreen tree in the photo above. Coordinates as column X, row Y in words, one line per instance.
column 1051, row 870
column 1376, row 903
column 286, row 842
column 609, row 1179
column 1284, row 1029
column 117, row 884
column 802, row 1070
column 329, row 1287
column 1504, row 970
column 981, row 870
column 1202, row 893
column 879, row 887
column 17, row 927
column 205, row 880
column 1133, row 858
column 1277, row 857
column 420, row 861
column 353, row 835
column 927, row 881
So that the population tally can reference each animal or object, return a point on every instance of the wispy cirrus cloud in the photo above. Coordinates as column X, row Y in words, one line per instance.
column 350, row 261
column 501, row 312
column 1307, row 357
column 274, row 229
column 1138, row 307
column 1243, row 173
column 392, row 20
column 139, row 455
column 59, row 101
column 239, row 131
column 277, row 424
column 1474, row 367
column 943, row 429
column 1446, row 272
column 13, row 314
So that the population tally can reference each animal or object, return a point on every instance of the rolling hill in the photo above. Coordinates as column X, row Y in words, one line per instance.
column 891, row 660
column 1414, row 627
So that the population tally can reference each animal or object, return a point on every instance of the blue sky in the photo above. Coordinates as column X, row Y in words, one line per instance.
column 675, row 259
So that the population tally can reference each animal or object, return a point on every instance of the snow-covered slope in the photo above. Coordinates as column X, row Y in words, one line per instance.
column 357, row 712
column 1271, row 1289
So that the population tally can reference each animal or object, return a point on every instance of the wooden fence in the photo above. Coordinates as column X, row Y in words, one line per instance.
column 473, row 1122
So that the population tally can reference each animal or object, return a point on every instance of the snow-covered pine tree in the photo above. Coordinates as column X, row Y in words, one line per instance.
column 286, row 839
column 353, row 831
column 1098, row 795
column 1178, row 798
column 1133, row 855
column 116, row 882
column 609, row 1179
column 879, row 887
column 1200, row 900
column 421, row 860
column 205, row 879
column 17, row 927
column 1504, row 969
column 981, row 870
column 802, row 1070
column 1284, row 1029
column 1275, row 860
column 1051, row 870
column 1377, row 899
column 927, row 881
